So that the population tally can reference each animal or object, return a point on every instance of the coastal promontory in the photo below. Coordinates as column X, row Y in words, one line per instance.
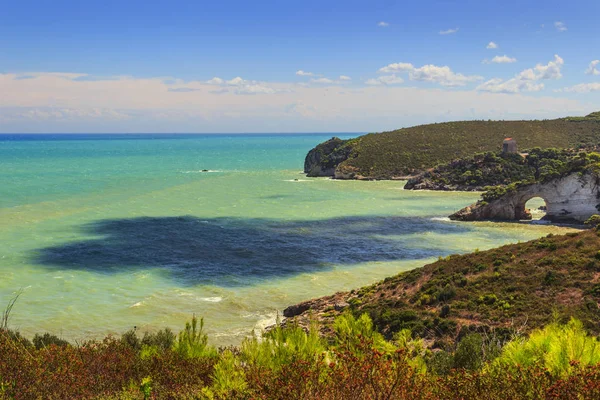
column 410, row 151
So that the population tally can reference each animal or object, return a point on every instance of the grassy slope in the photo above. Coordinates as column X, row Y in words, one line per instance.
column 517, row 286
column 404, row 151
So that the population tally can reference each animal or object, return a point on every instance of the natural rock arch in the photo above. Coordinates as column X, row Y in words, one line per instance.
column 574, row 197
column 529, row 206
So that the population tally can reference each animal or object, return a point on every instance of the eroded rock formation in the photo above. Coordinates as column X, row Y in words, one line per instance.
column 323, row 159
column 572, row 198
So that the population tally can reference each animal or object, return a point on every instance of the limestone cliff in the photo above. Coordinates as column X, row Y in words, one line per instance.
column 323, row 159
column 571, row 198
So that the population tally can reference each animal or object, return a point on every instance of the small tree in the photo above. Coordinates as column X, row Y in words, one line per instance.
column 192, row 342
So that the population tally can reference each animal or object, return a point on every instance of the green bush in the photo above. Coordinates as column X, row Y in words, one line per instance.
column 282, row 346
column 469, row 353
column 192, row 342
column 45, row 340
column 593, row 221
column 559, row 348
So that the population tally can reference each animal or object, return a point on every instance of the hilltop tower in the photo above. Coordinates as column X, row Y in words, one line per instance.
column 509, row 146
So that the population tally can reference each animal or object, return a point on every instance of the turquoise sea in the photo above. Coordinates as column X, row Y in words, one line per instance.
column 107, row 232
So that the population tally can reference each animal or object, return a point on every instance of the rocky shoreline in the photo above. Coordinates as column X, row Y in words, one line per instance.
column 423, row 182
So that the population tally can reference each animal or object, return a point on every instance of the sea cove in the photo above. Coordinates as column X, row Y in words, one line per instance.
column 107, row 232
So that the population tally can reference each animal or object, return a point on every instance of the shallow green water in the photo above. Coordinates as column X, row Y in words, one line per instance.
column 108, row 233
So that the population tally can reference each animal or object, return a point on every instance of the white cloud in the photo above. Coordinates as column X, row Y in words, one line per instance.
column 383, row 24
column 583, row 88
column 51, row 103
column 62, row 75
column 514, row 85
column 548, row 71
column 560, row 26
column 304, row 73
column 385, row 80
column 442, row 75
column 322, row 80
column 397, row 67
column 431, row 73
column 215, row 81
column 344, row 78
column 64, row 114
column 449, row 31
column 254, row 89
column 526, row 80
column 302, row 109
column 491, row 45
column 593, row 68
column 504, row 59
column 236, row 85
column 501, row 60
column 235, row 81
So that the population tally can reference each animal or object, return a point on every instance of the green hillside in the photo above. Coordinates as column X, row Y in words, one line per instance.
column 406, row 151
column 515, row 287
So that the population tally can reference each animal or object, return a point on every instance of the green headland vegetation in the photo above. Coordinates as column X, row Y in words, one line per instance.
column 516, row 322
column 486, row 170
column 408, row 151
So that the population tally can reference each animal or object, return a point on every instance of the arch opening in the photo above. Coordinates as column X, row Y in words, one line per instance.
column 536, row 207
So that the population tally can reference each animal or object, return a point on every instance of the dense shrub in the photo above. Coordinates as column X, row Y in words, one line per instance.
column 560, row 361
column 559, row 348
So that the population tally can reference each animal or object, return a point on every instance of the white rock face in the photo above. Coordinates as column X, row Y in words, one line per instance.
column 574, row 197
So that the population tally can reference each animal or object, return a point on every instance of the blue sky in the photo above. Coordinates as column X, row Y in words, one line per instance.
column 283, row 66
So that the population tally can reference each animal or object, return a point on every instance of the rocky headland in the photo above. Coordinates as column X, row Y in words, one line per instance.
column 411, row 151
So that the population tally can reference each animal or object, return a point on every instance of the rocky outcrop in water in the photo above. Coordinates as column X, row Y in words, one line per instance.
column 323, row 159
column 571, row 198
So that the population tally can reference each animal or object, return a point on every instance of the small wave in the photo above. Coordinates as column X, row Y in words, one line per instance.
column 296, row 180
column 233, row 333
column 215, row 299
column 263, row 323
column 445, row 219
column 138, row 304
column 201, row 171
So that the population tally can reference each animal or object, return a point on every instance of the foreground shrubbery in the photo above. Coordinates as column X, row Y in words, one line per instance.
column 559, row 361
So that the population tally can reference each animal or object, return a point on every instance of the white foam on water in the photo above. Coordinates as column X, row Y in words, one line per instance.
column 138, row 304
column 215, row 299
column 445, row 219
column 208, row 171
column 181, row 292
column 234, row 333
column 267, row 320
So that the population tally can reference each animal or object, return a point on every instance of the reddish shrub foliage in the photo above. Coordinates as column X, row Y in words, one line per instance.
column 113, row 369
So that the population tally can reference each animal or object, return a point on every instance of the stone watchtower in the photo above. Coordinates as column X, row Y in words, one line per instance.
column 509, row 146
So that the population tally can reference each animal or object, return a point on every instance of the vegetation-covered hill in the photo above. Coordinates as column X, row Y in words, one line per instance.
column 406, row 151
column 515, row 287
column 484, row 170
